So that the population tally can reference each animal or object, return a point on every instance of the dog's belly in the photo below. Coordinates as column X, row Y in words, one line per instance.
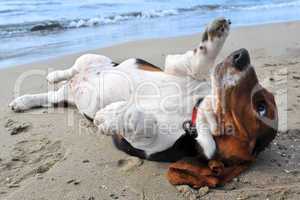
column 94, row 89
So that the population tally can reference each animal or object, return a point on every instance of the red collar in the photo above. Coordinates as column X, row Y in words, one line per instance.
column 195, row 111
column 190, row 125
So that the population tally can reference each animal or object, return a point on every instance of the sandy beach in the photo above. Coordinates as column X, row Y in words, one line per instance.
column 56, row 153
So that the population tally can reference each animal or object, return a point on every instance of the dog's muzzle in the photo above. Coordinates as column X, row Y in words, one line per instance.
column 241, row 59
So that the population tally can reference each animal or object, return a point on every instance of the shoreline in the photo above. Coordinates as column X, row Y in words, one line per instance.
column 112, row 45
column 61, row 156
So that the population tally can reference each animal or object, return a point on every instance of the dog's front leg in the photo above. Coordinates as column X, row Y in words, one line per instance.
column 108, row 119
column 136, row 126
column 205, row 137
column 207, row 111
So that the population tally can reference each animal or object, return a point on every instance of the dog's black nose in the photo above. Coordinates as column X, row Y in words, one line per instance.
column 241, row 59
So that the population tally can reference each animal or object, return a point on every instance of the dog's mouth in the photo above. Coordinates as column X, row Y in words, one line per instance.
column 218, row 28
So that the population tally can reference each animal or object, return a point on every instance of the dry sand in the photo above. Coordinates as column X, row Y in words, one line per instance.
column 56, row 154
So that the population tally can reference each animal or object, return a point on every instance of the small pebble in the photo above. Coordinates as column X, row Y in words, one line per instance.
column 39, row 176
column 15, row 159
column 183, row 188
column 70, row 181
column 77, row 182
column 283, row 155
column 242, row 197
column 279, row 165
column 8, row 180
column 104, row 187
column 203, row 191
column 85, row 161
column 42, row 169
column 113, row 196
column 13, row 185
column 236, row 179
column 191, row 193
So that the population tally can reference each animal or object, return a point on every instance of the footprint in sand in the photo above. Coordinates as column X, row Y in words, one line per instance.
column 28, row 158
column 129, row 163
column 16, row 127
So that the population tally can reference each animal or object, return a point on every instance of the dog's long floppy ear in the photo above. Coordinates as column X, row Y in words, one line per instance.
column 197, row 175
column 255, row 112
column 191, row 172
column 268, row 125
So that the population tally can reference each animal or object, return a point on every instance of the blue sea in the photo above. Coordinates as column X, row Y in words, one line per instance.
column 39, row 29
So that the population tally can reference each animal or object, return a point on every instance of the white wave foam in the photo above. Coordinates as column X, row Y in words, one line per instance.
column 161, row 13
column 118, row 18
column 11, row 29
column 270, row 6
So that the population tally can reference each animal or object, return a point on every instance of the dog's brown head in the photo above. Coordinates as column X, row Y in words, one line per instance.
column 245, row 109
column 247, row 115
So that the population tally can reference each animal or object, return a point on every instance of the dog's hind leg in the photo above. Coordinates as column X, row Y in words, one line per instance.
column 84, row 62
column 48, row 99
column 61, row 75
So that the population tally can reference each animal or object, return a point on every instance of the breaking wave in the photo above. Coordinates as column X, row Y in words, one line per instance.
column 12, row 30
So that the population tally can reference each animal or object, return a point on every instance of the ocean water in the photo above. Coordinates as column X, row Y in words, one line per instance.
column 31, row 30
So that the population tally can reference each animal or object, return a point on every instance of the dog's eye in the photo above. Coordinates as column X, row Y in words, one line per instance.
column 201, row 48
column 261, row 109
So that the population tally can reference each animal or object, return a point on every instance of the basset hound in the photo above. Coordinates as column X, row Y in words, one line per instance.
column 145, row 109
column 247, row 122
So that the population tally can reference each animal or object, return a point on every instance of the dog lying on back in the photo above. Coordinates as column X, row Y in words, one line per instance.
column 144, row 109
column 141, row 106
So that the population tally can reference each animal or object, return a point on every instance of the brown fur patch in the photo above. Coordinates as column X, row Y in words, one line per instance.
column 146, row 66
column 149, row 68
column 197, row 175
